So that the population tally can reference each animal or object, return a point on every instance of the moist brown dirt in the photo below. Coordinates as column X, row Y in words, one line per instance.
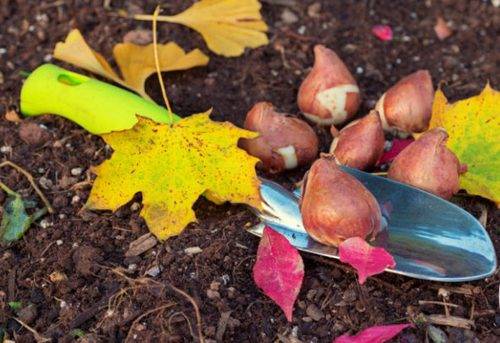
column 71, row 273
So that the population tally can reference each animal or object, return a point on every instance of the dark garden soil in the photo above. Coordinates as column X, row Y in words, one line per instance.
column 70, row 271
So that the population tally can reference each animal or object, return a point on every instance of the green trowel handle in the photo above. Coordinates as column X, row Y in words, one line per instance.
column 96, row 106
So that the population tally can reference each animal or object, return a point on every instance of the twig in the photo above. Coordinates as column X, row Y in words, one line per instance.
column 157, row 63
column 31, row 181
column 39, row 338
column 159, row 308
column 457, row 322
column 196, row 310
column 145, row 280
column 183, row 315
column 432, row 302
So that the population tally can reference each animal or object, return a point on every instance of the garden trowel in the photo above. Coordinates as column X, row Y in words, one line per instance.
column 429, row 238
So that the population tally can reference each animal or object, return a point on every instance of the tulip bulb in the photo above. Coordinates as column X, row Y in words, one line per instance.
column 335, row 206
column 407, row 106
column 359, row 144
column 428, row 164
column 284, row 142
column 329, row 94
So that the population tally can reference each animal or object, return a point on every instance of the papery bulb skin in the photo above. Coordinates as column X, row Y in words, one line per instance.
column 407, row 106
column 284, row 143
column 360, row 144
column 335, row 206
column 428, row 164
column 329, row 95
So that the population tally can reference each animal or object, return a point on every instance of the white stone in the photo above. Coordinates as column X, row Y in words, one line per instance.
column 192, row 250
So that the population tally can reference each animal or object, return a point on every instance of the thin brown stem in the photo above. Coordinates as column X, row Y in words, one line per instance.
column 138, row 319
column 31, row 180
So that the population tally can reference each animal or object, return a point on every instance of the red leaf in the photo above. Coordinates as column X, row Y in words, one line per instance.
column 397, row 146
column 382, row 32
column 366, row 259
column 278, row 270
column 375, row 334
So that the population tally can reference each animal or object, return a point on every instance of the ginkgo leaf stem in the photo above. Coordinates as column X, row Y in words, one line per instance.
column 157, row 63
column 148, row 17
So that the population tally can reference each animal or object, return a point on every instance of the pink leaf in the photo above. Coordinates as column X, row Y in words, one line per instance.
column 382, row 32
column 278, row 270
column 442, row 29
column 397, row 146
column 366, row 259
column 375, row 334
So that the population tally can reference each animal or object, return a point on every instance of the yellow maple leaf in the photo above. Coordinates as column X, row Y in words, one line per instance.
column 136, row 62
column 227, row 26
column 172, row 165
column 473, row 125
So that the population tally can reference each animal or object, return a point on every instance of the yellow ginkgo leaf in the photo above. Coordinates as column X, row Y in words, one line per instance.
column 473, row 125
column 75, row 50
column 228, row 26
column 136, row 62
column 172, row 165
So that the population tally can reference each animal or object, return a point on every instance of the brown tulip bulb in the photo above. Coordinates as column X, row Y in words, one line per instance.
column 329, row 94
column 428, row 164
column 335, row 206
column 407, row 106
column 284, row 142
column 359, row 144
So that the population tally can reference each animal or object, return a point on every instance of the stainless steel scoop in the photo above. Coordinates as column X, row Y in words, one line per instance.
column 429, row 238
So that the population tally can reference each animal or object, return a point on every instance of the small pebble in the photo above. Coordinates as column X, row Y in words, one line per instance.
column 44, row 223
column 231, row 292
column 153, row 271
column 5, row 149
column 437, row 335
column 59, row 242
column 75, row 199
column 46, row 183
column 301, row 30
column 211, row 294
column 310, row 294
column 76, row 171
column 288, row 17
column 192, row 250
column 215, row 285
column 314, row 10
column 314, row 312
column 387, row 145
column 359, row 70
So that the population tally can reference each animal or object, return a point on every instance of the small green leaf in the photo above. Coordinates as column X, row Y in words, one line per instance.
column 15, row 305
column 77, row 333
column 15, row 221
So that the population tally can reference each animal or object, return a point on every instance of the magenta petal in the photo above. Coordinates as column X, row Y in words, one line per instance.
column 375, row 334
column 278, row 270
column 382, row 32
column 366, row 259
column 397, row 146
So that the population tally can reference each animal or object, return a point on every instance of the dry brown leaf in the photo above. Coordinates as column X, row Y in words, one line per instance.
column 12, row 116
